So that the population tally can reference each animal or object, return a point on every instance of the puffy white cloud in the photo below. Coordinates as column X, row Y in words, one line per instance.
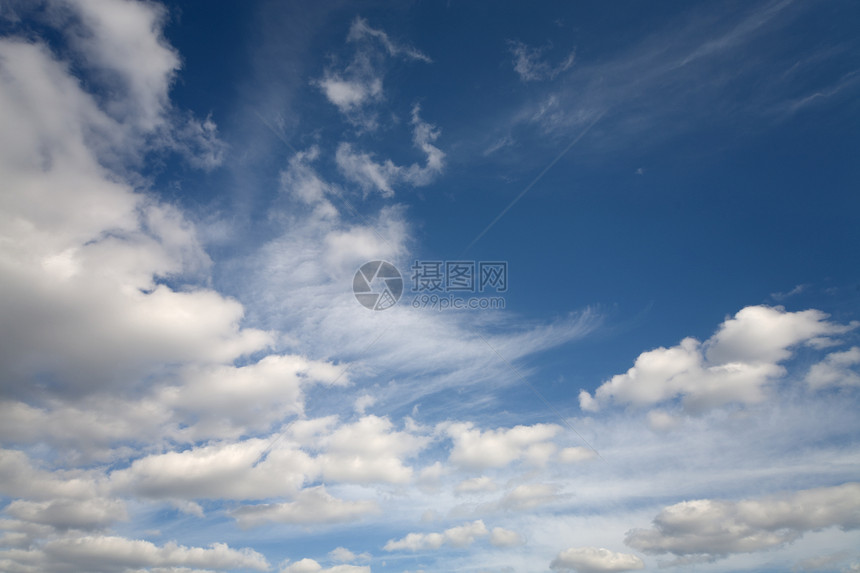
column 476, row 449
column 369, row 450
column 835, row 370
column 84, row 430
column 20, row 478
column 459, row 536
column 576, row 454
column 69, row 513
column 501, row 537
column 313, row 505
column 311, row 566
column 221, row 398
column 475, row 485
column 767, row 334
column 123, row 40
column 735, row 365
column 110, row 553
column 526, row 496
column 344, row 555
column 366, row 451
column 661, row 421
column 714, row 528
column 363, row 402
column 221, row 470
column 595, row 560
column 348, row 95
column 82, row 252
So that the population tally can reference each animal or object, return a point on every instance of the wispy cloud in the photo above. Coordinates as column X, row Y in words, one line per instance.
column 361, row 168
column 361, row 30
column 530, row 66
column 355, row 88
column 684, row 76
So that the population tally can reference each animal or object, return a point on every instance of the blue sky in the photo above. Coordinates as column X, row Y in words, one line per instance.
column 188, row 383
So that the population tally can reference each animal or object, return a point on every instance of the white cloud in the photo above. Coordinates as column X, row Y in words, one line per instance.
column 110, row 553
column 661, row 421
column 123, row 39
column 355, row 88
column 313, row 505
column 576, row 454
column 360, row 30
column 363, row 402
column 530, row 66
column 459, row 536
column 835, row 370
column 767, row 334
column 219, row 470
column 311, row 566
column 476, row 449
column 344, row 555
column 225, row 401
column 81, row 251
column 348, row 95
column 20, row 478
column 369, row 450
column 69, row 513
column 526, row 496
column 595, row 560
column 476, row 485
column 363, row 169
column 714, row 528
column 735, row 365
column 300, row 181
column 501, row 537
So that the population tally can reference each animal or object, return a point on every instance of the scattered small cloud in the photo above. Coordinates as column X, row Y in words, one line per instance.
column 595, row 560
column 712, row 529
column 529, row 63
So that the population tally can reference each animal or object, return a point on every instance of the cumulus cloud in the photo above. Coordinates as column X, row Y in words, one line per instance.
column 525, row 497
column 369, row 450
column 576, row 454
column 595, row 560
column 87, row 514
column 501, row 537
column 311, row 566
column 344, row 555
column 218, row 470
column 837, row 369
column 225, row 400
column 477, row 449
column 123, row 40
column 530, row 66
column 735, row 365
column 363, row 169
column 476, row 485
column 20, row 477
column 459, row 536
column 366, row 451
column 111, row 553
column 313, row 505
column 83, row 252
column 713, row 528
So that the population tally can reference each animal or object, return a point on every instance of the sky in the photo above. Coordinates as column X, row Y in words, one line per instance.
column 354, row 287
